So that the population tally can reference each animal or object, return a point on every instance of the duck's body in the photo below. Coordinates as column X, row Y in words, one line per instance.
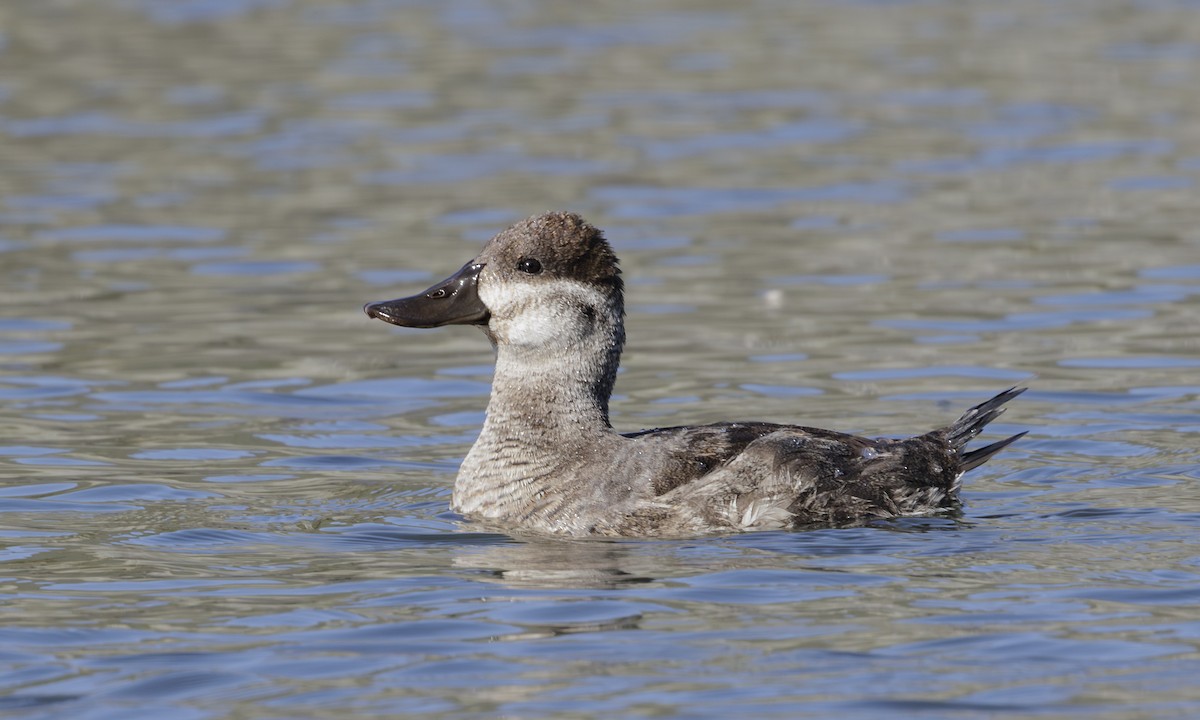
column 548, row 294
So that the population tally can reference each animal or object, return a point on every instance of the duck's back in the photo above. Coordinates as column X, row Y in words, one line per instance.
column 759, row 476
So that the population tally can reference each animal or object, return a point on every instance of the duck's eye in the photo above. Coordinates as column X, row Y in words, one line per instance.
column 529, row 265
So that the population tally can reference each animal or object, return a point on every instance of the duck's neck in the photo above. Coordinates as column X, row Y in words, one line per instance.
column 542, row 397
column 546, row 419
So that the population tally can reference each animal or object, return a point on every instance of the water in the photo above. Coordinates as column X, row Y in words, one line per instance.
column 223, row 490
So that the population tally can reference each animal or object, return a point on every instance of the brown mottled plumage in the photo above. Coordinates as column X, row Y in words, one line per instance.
column 548, row 294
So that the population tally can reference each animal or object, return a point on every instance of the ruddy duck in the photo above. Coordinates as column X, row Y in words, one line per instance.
column 548, row 294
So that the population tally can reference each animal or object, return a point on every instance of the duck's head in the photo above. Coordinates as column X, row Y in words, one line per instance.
column 548, row 281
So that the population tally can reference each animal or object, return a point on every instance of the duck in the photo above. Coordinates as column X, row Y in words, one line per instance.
column 549, row 295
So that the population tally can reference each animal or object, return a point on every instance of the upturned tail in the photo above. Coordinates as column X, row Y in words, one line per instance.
column 973, row 422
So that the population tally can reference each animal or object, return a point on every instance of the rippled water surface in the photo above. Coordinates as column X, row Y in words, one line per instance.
column 224, row 491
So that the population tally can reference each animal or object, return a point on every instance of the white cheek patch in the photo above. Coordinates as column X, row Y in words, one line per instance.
column 534, row 328
column 540, row 313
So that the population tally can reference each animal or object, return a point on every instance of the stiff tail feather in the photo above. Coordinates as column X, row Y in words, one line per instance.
column 972, row 423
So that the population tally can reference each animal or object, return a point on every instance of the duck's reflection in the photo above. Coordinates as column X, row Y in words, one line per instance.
column 551, row 562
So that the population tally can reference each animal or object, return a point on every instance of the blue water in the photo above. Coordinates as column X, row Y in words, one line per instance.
column 224, row 491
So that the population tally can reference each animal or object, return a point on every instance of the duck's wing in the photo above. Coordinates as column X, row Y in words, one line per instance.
column 745, row 476
column 719, row 478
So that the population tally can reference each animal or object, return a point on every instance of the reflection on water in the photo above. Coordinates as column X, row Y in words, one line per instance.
column 224, row 493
